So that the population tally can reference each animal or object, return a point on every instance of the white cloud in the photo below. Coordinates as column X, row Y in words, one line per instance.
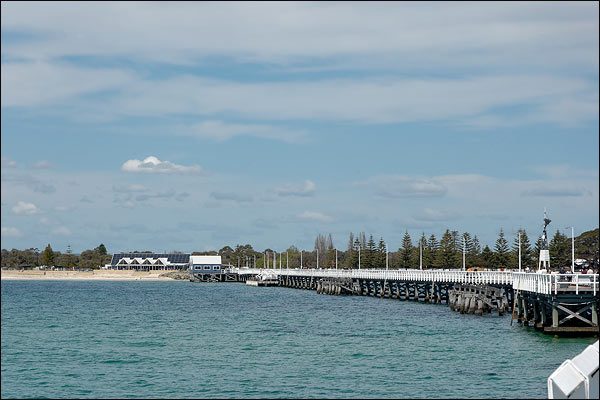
column 384, row 99
column 153, row 165
column 8, row 231
column 539, row 42
column 398, row 186
column 235, row 197
column 43, row 164
column 561, row 171
column 220, row 130
column 24, row 208
column 432, row 215
column 337, row 35
column 30, row 181
column 62, row 231
column 8, row 163
column 314, row 216
column 41, row 83
column 306, row 189
column 132, row 188
column 550, row 191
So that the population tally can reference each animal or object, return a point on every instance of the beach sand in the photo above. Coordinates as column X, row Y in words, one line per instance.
column 108, row 275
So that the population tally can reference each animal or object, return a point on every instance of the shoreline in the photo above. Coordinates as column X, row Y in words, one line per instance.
column 96, row 275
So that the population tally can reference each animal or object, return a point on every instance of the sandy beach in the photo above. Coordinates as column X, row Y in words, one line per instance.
column 109, row 275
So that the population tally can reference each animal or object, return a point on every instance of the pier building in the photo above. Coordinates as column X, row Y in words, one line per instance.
column 149, row 261
column 205, row 268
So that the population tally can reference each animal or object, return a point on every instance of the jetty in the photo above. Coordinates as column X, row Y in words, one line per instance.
column 552, row 303
column 565, row 304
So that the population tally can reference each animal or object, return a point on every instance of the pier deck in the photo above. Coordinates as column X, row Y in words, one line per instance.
column 553, row 303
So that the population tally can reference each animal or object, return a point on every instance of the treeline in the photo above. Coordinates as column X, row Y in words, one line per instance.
column 33, row 257
column 431, row 252
column 445, row 252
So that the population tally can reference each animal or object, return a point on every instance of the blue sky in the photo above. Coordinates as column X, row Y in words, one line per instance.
column 190, row 126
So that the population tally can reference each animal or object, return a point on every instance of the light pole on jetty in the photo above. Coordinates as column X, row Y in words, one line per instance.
column 317, row 258
column 386, row 258
column 301, row 259
column 420, row 255
column 572, row 248
column 464, row 249
column 519, row 250
column 359, row 257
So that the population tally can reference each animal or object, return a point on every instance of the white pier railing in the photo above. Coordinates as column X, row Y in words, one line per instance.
column 467, row 277
column 555, row 283
column 527, row 281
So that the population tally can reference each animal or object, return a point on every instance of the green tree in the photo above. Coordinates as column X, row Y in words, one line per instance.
column 560, row 251
column 527, row 260
column 48, row 256
column 381, row 250
column 445, row 257
column 487, row 257
column 406, row 251
column 370, row 253
column 502, row 251
column 101, row 249
column 467, row 242
column 421, row 249
column 430, row 255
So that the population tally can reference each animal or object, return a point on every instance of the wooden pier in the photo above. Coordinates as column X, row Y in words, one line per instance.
column 557, row 303
column 553, row 303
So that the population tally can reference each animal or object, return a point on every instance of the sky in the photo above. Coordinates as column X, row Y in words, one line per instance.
column 191, row 126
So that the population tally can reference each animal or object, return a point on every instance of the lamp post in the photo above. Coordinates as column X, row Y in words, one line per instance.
column 358, row 256
column 301, row 258
column 386, row 258
column 519, row 250
column 420, row 255
column 572, row 248
column 464, row 250
column 317, row 258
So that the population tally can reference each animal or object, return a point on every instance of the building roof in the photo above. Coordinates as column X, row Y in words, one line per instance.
column 172, row 258
column 211, row 260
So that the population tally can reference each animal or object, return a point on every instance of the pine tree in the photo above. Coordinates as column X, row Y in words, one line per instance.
column 430, row 256
column 475, row 254
column 382, row 250
column 48, row 256
column 487, row 257
column 468, row 248
column 421, row 250
column 406, row 251
column 501, row 250
column 101, row 249
column 526, row 252
column 359, row 256
column 560, row 252
column 351, row 258
column 446, row 255
column 370, row 253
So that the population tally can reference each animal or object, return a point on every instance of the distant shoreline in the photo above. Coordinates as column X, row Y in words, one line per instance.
column 96, row 275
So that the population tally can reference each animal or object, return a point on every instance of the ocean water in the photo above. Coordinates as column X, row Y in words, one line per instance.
column 102, row 339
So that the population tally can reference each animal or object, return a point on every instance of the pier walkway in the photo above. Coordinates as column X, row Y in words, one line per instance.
column 553, row 303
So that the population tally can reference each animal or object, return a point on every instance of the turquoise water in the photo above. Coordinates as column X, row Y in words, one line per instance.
column 179, row 339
